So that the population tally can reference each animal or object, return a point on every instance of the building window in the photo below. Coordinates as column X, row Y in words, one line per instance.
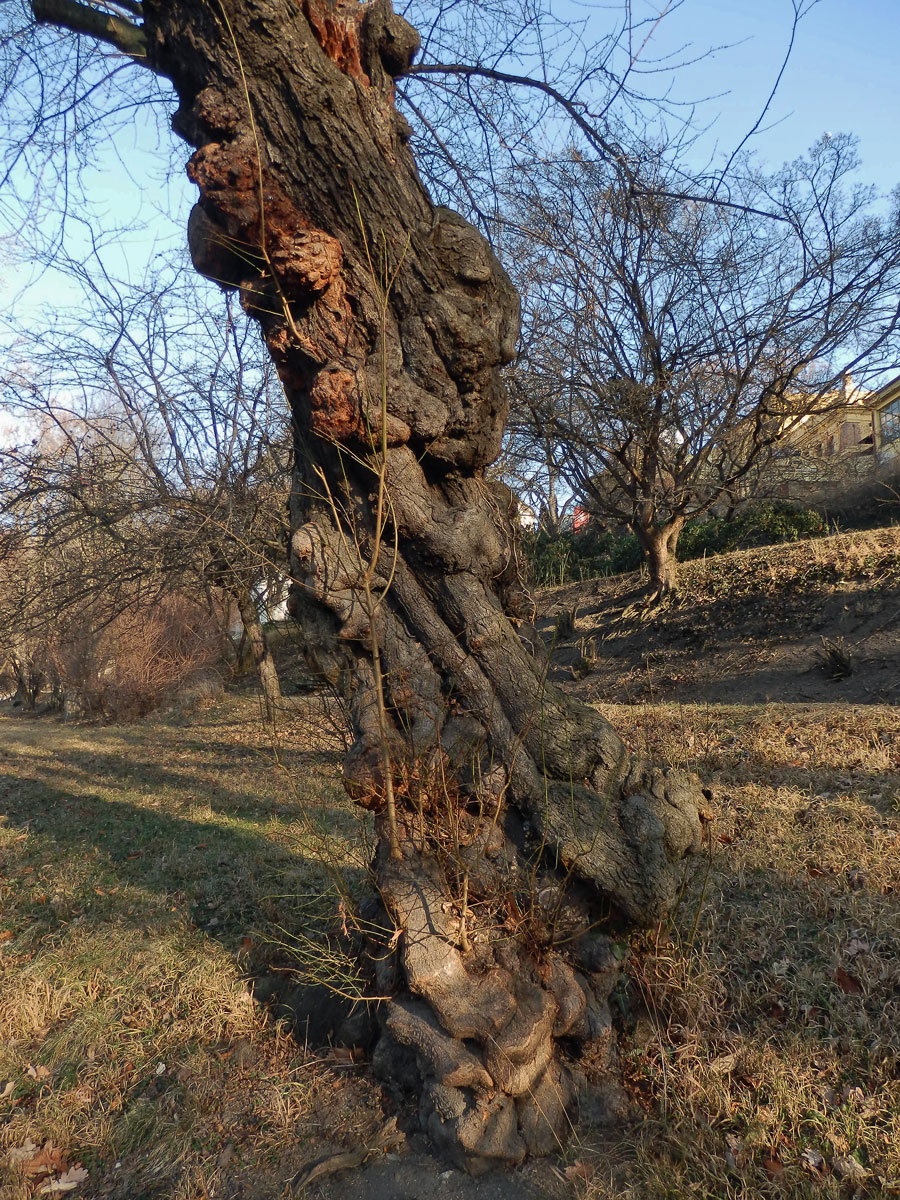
column 889, row 421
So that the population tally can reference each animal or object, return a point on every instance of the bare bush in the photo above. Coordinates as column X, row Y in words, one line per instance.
column 140, row 659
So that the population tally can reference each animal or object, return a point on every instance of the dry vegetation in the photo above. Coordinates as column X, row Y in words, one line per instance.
column 151, row 871
column 145, row 869
column 745, row 627
column 762, row 1042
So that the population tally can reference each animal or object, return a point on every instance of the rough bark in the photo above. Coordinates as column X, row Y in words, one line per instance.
column 520, row 818
column 262, row 653
column 660, row 544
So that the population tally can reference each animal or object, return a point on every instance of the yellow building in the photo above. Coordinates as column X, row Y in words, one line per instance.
column 828, row 447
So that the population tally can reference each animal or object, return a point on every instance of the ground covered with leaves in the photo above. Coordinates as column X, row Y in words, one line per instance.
column 157, row 877
column 762, row 1039
column 816, row 620
column 147, row 870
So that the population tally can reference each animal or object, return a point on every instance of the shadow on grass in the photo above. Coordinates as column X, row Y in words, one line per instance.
column 289, row 785
column 779, row 939
column 114, row 860
column 764, row 643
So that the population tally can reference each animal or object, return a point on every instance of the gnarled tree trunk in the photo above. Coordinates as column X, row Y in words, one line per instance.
column 660, row 543
column 512, row 817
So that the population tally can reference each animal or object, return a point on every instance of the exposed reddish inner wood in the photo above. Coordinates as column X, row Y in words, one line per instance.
column 336, row 25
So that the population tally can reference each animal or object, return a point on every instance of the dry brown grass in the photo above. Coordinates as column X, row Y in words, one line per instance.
column 760, row 1046
column 145, row 869
column 763, row 1043
column 816, row 621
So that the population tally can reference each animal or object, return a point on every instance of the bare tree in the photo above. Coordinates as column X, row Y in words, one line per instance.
column 162, row 424
column 669, row 345
column 389, row 320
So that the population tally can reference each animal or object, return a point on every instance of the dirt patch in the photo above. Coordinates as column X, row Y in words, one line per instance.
column 815, row 621
column 416, row 1174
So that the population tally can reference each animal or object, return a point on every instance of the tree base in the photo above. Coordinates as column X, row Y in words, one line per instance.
column 472, row 1122
column 471, row 1041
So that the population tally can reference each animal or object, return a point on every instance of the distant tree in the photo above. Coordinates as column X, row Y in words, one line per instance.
column 669, row 345
column 160, row 426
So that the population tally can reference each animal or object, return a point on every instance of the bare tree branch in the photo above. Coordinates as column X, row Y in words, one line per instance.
column 66, row 14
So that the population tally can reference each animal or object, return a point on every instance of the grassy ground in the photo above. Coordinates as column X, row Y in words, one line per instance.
column 764, row 1042
column 751, row 626
column 145, row 870
column 149, row 872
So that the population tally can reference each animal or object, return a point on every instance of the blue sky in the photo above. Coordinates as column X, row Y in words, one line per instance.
column 842, row 77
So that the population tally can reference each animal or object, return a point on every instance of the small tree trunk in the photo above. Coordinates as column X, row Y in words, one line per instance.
column 262, row 654
column 660, row 545
column 29, row 682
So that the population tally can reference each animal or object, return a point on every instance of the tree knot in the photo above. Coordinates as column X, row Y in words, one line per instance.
column 391, row 37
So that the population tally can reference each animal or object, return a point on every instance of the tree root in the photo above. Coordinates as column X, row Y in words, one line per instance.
column 389, row 1138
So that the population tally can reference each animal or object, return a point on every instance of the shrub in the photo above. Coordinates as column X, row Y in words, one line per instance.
column 568, row 557
column 755, row 525
column 571, row 557
column 127, row 666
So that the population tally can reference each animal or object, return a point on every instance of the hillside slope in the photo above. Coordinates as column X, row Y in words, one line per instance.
column 745, row 627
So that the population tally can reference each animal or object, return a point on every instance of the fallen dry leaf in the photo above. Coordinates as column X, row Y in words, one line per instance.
column 67, row 1182
column 579, row 1170
column 48, row 1161
column 850, row 1168
column 724, row 1064
column 773, row 1166
column 848, row 983
column 343, row 1056
column 812, row 1160
column 734, row 1152
column 19, row 1154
